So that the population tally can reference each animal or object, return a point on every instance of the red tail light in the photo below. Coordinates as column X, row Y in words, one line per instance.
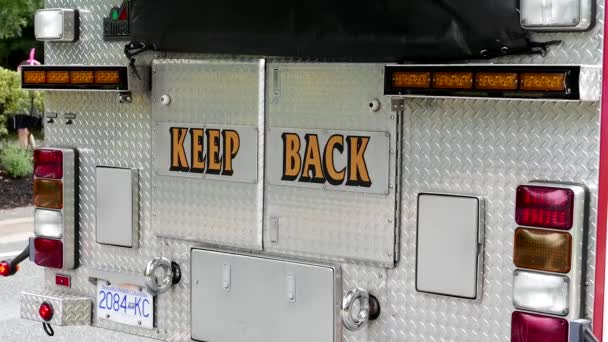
column 546, row 207
column 5, row 269
column 48, row 253
column 48, row 164
column 535, row 328
column 45, row 311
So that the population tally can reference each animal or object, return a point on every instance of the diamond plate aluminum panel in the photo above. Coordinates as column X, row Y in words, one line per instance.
column 486, row 148
column 480, row 147
column 574, row 47
column 206, row 93
column 67, row 310
column 318, row 222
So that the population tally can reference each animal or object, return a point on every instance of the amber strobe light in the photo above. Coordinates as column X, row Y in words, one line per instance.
column 542, row 250
column 483, row 81
column 74, row 78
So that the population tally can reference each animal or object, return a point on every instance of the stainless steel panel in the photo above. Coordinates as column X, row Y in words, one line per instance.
column 463, row 146
column 336, row 225
column 67, row 309
column 238, row 298
column 374, row 152
column 117, row 206
column 448, row 245
column 244, row 162
column 211, row 94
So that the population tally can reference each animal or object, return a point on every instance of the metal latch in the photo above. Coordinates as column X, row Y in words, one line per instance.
column 580, row 331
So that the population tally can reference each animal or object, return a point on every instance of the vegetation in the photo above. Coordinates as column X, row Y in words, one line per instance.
column 13, row 99
column 17, row 31
column 16, row 162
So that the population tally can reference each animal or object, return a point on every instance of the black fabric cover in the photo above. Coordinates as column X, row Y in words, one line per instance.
column 359, row 30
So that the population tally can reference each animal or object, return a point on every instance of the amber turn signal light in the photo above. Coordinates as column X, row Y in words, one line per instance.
column 543, row 81
column 412, row 79
column 48, row 193
column 75, row 77
column 542, row 250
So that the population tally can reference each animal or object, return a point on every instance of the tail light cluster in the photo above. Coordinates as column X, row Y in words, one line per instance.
column 547, row 252
column 54, row 216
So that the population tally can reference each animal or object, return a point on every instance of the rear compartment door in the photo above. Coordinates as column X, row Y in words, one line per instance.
column 331, row 164
column 207, row 162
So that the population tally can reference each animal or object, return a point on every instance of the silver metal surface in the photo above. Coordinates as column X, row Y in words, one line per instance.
column 117, row 206
column 65, row 20
column 580, row 252
column 67, row 309
column 581, row 331
column 335, row 225
column 449, row 245
column 158, row 275
column 352, row 321
column 204, row 94
column 467, row 146
column 316, row 159
column 582, row 19
column 258, row 306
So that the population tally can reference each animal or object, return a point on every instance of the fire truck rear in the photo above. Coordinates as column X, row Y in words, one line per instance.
column 371, row 171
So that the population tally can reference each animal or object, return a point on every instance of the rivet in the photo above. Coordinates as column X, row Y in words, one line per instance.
column 392, row 117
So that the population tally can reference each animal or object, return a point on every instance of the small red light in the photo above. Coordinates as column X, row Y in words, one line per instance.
column 5, row 269
column 535, row 328
column 48, row 164
column 546, row 207
column 45, row 311
column 48, row 253
column 61, row 280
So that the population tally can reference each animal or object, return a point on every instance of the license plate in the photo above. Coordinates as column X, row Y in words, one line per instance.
column 126, row 304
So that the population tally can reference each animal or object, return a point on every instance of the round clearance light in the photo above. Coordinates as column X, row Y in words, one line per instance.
column 5, row 269
column 161, row 274
column 45, row 311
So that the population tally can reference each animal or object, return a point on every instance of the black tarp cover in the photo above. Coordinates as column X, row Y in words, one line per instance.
column 372, row 30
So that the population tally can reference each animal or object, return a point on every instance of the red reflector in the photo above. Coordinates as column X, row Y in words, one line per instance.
column 48, row 253
column 48, row 164
column 535, row 328
column 45, row 311
column 5, row 269
column 62, row 280
column 546, row 207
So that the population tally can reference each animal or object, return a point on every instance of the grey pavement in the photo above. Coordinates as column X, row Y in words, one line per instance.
column 16, row 225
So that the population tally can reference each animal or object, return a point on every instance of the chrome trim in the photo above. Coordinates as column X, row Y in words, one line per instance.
column 358, row 321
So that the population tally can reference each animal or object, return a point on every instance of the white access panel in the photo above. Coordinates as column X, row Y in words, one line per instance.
column 117, row 209
column 449, row 245
column 242, row 298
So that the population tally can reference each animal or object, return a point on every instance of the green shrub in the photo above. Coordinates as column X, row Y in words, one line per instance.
column 15, row 100
column 16, row 162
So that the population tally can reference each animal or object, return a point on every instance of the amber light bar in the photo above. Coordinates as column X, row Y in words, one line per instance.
column 109, row 78
column 506, row 81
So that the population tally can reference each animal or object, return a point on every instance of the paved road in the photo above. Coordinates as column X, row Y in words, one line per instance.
column 15, row 230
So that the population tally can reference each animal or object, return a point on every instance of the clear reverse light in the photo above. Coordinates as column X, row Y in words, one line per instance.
column 48, row 223
column 557, row 15
column 56, row 24
column 541, row 292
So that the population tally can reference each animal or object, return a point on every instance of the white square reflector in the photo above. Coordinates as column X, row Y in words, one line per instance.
column 56, row 24
column 449, row 245
column 48, row 223
column 541, row 292
column 556, row 15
